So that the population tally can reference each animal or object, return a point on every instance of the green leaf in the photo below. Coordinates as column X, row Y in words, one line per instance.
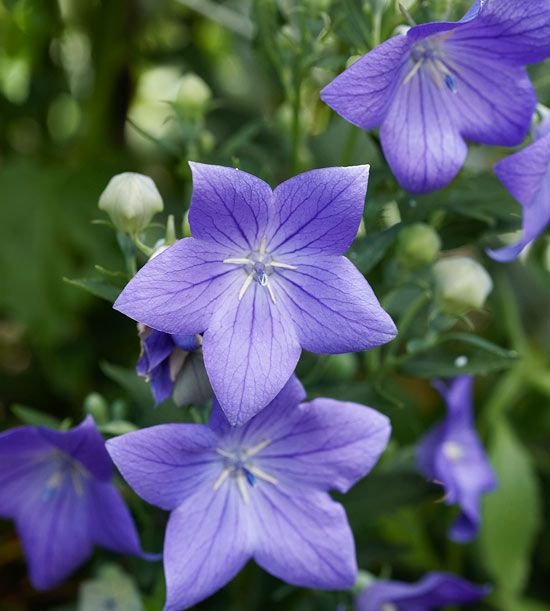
column 31, row 416
column 368, row 251
column 511, row 515
column 136, row 387
column 118, row 427
column 463, row 354
column 97, row 287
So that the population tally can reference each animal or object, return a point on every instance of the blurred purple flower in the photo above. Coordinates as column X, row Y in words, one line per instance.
column 526, row 174
column 57, row 487
column 451, row 454
column 258, row 491
column 173, row 365
column 433, row 591
column 262, row 278
column 443, row 83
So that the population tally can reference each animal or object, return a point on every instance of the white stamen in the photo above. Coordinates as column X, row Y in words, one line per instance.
column 263, row 475
column 263, row 246
column 257, row 448
column 241, row 485
column 77, row 482
column 270, row 290
column 221, row 479
column 282, row 265
column 413, row 71
column 245, row 285
column 226, row 454
column 452, row 450
column 239, row 261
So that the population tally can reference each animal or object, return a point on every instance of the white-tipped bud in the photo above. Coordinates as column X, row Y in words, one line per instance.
column 462, row 284
column 131, row 200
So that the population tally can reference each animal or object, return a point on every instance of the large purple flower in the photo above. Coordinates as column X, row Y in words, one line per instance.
column 57, row 487
column 262, row 278
column 257, row 491
column 526, row 174
column 451, row 454
column 444, row 83
column 434, row 591
column 173, row 364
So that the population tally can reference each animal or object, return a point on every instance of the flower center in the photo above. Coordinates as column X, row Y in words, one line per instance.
column 453, row 450
column 388, row 607
column 65, row 468
column 430, row 54
column 258, row 265
column 238, row 465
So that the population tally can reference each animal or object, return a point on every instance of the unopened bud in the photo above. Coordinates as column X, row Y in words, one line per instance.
column 462, row 284
column 131, row 200
column 193, row 96
column 417, row 245
column 96, row 406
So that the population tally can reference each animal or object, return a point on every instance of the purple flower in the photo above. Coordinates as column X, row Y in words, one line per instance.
column 257, row 491
column 444, row 83
column 433, row 591
column 451, row 454
column 57, row 487
column 526, row 174
column 173, row 364
column 262, row 278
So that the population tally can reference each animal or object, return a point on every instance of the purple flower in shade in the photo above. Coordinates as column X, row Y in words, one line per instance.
column 451, row 454
column 262, row 278
column 257, row 491
column 434, row 591
column 526, row 174
column 444, row 83
column 173, row 364
column 57, row 487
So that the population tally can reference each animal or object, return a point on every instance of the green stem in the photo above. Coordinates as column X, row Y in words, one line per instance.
column 405, row 322
column 143, row 248
column 508, row 390
column 349, row 145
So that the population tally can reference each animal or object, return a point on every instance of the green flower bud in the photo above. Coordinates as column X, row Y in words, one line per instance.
column 417, row 245
column 96, row 406
column 131, row 200
column 193, row 97
column 462, row 284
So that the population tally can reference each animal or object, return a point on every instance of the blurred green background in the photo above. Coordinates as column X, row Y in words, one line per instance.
column 90, row 88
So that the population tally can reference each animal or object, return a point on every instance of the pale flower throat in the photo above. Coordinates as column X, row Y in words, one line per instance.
column 239, row 466
column 258, row 265
column 430, row 53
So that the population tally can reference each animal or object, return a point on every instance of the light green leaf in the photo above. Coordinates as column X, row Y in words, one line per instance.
column 511, row 515
column 368, row 251
column 118, row 427
column 96, row 286
column 31, row 416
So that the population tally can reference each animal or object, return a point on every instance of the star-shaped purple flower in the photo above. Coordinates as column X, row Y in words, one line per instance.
column 257, row 491
column 263, row 277
column 444, row 83
column 451, row 454
column 526, row 174
column 173, row 364
column 433, row 591
column 57, row 487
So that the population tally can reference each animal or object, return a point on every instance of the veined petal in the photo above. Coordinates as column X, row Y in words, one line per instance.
column 333, row 307
column 177, row 291
column 208, row 541
column 111, row 524
column 167, row 463
column 526, row 175
column 85, row 444
column 363, row 92
column 250, row 351
column 303, row 540
column 318, row 211
column 325, row 444
column 229, row 207
column 54, row 528
column 433, row 591
column 420, row 136
column 494, row 101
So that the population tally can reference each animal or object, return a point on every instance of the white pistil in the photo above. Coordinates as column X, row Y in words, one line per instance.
column 241, row 485
column 223, row 476
column 452, row 450
column 245, row 285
